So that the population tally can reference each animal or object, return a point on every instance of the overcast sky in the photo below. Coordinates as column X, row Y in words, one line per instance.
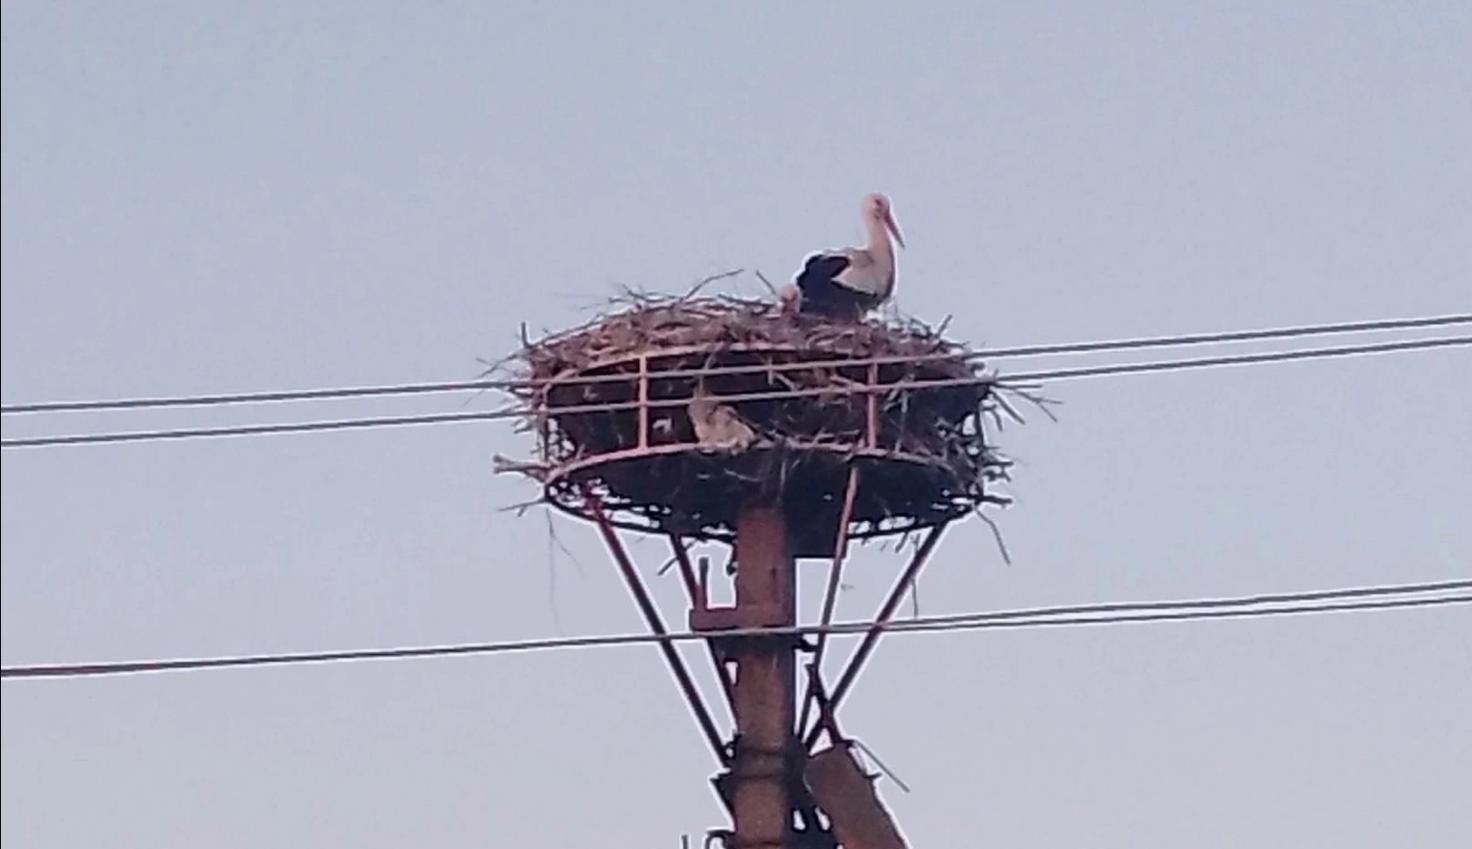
column 209, row 197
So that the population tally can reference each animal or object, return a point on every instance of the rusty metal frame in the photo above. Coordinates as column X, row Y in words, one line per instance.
column 558, row 470
column 563, row 483
column 580, row 375
column 772, row 395
column 871, row 408
column 871, row 636
column 698, row 594
column 656, row 625
column 830, row 596
column 827, row 720
column 643, row 401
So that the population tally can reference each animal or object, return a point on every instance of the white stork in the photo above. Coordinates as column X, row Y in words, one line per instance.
column 849, row 282
column 717, row 426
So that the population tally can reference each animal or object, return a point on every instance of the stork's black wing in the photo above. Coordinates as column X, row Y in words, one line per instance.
column 819, row 272
column 822, row 294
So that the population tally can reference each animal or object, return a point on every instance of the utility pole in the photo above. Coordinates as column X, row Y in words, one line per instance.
column 765, row 703
column 716, row 420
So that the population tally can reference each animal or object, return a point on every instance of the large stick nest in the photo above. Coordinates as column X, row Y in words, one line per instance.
column 745, row 404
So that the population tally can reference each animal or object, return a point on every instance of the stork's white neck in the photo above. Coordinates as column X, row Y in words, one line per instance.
column 880, row 246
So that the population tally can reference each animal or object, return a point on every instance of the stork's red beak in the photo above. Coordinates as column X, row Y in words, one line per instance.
column 894, row 229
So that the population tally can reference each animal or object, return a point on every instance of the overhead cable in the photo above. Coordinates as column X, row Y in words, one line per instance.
column 1284, row 604
column 490, row 415
column 438, row 387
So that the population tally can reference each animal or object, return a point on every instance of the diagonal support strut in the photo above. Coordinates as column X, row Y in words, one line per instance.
column 656, row 625
column 871, row 636
column 830, row 597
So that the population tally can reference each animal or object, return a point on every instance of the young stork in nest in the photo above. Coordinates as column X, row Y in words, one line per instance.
column 849, row 282
column 718, row 427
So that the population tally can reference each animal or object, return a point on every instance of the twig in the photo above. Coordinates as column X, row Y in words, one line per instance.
column 997, row 535
column 869, row 753
column 1037, row 400
column 1010, row 410
column 531, row 469
column 673, row 560
column 520, row 508
column 557, row 540
column 552, row 574
column 695, row 290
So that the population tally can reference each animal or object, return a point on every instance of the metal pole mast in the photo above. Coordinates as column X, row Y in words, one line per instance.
column 764, row 697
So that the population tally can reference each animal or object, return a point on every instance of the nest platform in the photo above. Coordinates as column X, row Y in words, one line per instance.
column 672, row 414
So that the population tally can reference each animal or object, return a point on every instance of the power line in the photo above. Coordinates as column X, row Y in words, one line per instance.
column 439, row 387
column 1226, row 336
column 448, row 418
column 1244, row 359
column 1212, row 603
column 1072, row 616
column 252, row 430
column 257, row 397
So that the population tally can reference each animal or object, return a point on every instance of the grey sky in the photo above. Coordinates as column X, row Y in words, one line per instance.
column 209, row 197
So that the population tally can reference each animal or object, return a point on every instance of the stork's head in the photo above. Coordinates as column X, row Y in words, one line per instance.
column 876, row 207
